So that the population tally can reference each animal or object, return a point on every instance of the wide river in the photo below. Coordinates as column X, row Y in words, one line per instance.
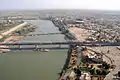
column 29, row 65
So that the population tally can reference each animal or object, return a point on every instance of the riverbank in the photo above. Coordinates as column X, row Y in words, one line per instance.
column 13, row 29
column 81, row 34
column 13, row 38
column 10, row 35
column 71, row 51
column 18, row 32
column 73, row 63
column 109, row 55
column 64, row 29
column 66, row 63
column 7, row 33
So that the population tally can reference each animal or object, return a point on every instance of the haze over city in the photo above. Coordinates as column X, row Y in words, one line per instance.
column 59, row 4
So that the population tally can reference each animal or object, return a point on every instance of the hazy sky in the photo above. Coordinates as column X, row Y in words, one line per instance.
column 59, row 4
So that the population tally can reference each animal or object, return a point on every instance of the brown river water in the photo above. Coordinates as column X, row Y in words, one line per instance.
column 30, row 65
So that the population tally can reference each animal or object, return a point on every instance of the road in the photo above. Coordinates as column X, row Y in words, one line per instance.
column 13, row 29
column 114, row 55
column 10, row 31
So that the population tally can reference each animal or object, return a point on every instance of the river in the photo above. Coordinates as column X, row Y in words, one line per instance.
column 44, row 27
column 29, row 65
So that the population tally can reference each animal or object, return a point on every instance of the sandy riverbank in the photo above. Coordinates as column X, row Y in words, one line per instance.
column 80, row 33
column 13, row 29
column 11, row 38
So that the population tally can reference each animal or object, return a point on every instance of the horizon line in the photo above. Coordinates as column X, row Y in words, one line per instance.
column 59, row 9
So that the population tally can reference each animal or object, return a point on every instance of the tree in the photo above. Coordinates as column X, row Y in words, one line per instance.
column 104, row 72
column 87, row 64
column 105, row 65
column 78, row 72
column 91, row 66
column 98, row 72
column 92, row 71
column 118, row 73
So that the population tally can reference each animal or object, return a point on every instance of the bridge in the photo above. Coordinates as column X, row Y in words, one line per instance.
column 41, row 34
column 37, row 49
column 55, row 45
column 65, row 43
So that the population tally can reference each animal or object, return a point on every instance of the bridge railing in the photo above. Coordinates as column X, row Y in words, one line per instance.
column 65, row 43
column 40, row 34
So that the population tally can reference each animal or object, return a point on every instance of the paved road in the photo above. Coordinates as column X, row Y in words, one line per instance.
column 14, row 28
column 79, row 51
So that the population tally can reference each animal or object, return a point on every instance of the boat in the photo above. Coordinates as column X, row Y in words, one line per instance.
column 46, row 50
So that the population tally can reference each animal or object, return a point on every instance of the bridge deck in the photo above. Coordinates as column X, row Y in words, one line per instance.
column 40, row 34
column 66, row 43
column 33, row 48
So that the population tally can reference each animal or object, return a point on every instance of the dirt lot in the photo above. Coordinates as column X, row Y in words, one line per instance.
column 80, row 33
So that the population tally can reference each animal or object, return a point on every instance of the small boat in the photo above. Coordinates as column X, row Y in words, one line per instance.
column 41, row 49
column 46, row 50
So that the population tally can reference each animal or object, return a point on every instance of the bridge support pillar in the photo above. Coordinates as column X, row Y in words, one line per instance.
column 36, row 47
column 19, row 46
column 59, row 45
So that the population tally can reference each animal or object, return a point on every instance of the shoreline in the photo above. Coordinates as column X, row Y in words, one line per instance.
column 11, row 38
column 107, row 57
column 14, row 29
column 79, row 34
column 7, row 33
column 71, row 51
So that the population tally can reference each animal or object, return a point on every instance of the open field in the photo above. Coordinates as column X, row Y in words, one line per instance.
column 80, row 33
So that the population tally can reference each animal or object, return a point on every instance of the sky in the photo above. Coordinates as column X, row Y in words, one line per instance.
column 59, row 4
